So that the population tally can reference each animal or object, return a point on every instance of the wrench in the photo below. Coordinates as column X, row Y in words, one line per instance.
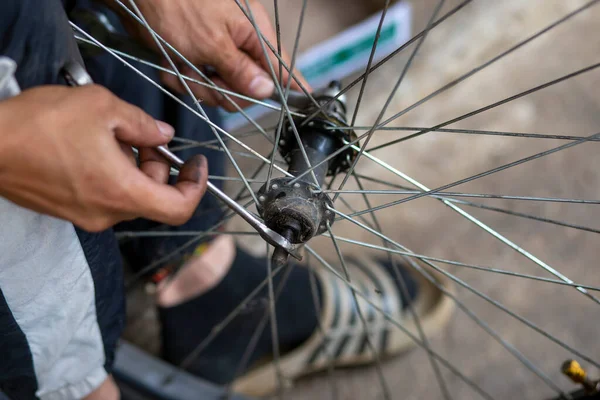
column 76, row 75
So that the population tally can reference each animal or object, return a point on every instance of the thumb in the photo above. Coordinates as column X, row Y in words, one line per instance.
column 243, row 75
column 135, row 127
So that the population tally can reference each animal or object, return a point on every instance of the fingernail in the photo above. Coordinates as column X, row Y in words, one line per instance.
column 261, row 86
column 166, row 129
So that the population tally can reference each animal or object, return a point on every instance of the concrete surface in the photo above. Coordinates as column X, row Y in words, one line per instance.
column 480, row 31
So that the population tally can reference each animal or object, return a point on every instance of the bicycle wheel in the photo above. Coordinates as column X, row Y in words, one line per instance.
column 483, row 122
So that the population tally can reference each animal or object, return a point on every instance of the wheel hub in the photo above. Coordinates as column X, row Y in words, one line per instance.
column 294, row 206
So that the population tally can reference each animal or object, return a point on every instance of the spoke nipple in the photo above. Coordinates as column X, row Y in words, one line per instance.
column 297, row 185
column 327, row 212
column 261, row 198
column 311, row 124
column 282, row 142
column 275, row 186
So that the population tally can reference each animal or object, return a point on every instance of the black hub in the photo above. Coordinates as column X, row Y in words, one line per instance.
column 296, row 208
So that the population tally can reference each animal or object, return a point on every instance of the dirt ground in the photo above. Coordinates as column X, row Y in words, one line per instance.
column 477, row 33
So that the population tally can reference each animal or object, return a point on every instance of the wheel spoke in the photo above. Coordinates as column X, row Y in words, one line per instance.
column 483, row 226
column 486, row 108
column 264, row 41
column 321, row 108
column 406, row 190
column 217, row 329
column 363, row 321
column 288, row 83
column 318, row 311
column 274, row 329
column 182, row 103
column 476, row 292
column 139, row 234
column 405, row 293
column 467, row 132
column 191, row 94
column 193, row 67
column 400, row 326
column 226, row 93
column 391, row 95
column 370, row 62
column 280, row 92
column 490, row 62
column 253, row 342
column 387, row 249
column 483, row 174
column 524, row 215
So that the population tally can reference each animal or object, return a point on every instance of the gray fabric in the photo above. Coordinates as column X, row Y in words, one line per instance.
column 49, row 289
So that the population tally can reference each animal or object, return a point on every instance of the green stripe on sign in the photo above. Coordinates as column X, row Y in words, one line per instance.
column 348, row 52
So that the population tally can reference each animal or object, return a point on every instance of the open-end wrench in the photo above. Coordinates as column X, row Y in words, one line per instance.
column 76, row 75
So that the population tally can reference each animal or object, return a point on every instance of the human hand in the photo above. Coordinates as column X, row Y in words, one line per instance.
column 67, row 152
column 216, row 34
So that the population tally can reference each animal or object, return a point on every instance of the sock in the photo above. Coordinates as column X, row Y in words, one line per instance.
column 184, row 326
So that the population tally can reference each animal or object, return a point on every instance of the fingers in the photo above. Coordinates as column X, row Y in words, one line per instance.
column 174, row 205
column 243, row 74
column 133, row 126
column 205, row 95
column 253, row 47
column 154, row 165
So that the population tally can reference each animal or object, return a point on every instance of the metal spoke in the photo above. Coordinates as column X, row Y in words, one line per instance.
column 486, row 108
column 405, row 293
column 182, row 103
column 486, row 173
column 483, row 226
column 383, row 61
column 318, row 311
column 361, row 316
column 489, row 62
column 139, row 234
column 210, row 144
column 370, row 62
column 442, row 195
column 282, row 96
column 158, row 263
column 264, row 41
column 157, row 38
column 260, row 327
column 289, row 82
column 528, row 216
column 207, row 84
column 391, row 95
column 405, row 190
column 331, row 156
column 467, row 132
column 400, row 326
column 191, row 94
column 274, row 330
column 476, row 292
column 217, row 329
column 387, row 249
